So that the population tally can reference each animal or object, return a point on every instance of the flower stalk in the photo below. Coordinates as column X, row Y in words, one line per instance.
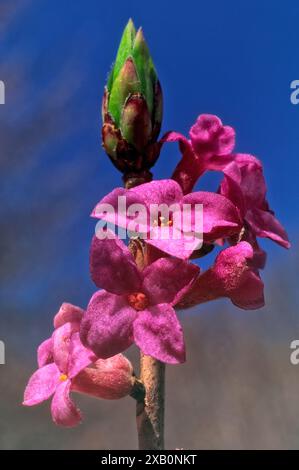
column 150, row 411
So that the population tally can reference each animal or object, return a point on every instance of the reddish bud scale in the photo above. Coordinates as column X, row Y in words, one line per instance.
column 132, row 148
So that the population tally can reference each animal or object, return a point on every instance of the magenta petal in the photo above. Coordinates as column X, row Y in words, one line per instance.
column 113, row 267
column 64, row 412
column 264, row 224
column 233, row 171
column 234, row 276
column 232, row 191
column 112, row 200
column 244, row 159
column 213, row 154
column 68, row 313
column 226, row 140
column 205, row 127
column 167, row 280
column 45, row 352
column 247, row 173
column 119, row 200
column 62, row 344
column 218, row 162
column 159, row 192
column 253, row 185
column 158, row 333
column 220, row 216
column 156, row 192
column 70, row 355
column 230, row 187
column 259, row 255
column 42, row 384
column 190, row 167
column 175, row 137
column 238, row 280
column 209, row 149
column 209, row 137
column 181, row 248
column 250, row 292
column 80, row 357
column 106, row 327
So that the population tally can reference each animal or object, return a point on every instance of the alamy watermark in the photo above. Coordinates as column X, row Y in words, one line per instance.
column 294, row 97
column 153, row 221
column 2, row 353
column 294, row 356
column 2, row 92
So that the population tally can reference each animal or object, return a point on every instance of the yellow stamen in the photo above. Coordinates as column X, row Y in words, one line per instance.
column 63, row 377
column 162, row 222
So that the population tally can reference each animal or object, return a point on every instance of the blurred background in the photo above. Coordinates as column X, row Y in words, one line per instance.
column 234, row 59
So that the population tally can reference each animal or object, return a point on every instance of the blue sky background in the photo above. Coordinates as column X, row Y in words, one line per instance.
column 234, row 59
column 227, row 58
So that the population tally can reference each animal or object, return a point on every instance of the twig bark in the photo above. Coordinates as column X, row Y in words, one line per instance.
column 150, row 412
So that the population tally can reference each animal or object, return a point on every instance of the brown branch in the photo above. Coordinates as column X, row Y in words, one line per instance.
column 150, row 411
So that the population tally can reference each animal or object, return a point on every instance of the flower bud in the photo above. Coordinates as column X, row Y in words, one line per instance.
column 109, row 379
column 132, row 107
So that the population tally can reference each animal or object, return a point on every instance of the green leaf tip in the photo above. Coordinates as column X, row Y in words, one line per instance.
column 125, row 47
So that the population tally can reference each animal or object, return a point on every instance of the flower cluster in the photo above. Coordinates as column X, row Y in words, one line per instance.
column 139, row 294
column 137, row 304
column 142, row 284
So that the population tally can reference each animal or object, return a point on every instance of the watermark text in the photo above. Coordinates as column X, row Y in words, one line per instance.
column 2, row 353
column 2, row 92
column 294, row 97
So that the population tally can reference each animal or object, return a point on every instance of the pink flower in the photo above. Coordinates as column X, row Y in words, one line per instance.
column 220, row 217
column 55, row 378
column 67, row 313
column 244, row 184
column 209, row 137
column 234, row 276
column 209, row 148
column 63, row 361
column 135, row 305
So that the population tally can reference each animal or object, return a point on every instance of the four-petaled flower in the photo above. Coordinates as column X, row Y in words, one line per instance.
column 136, row 305
column 209, row 148
column 60, row 359
column 63, row 367
column 220, row 216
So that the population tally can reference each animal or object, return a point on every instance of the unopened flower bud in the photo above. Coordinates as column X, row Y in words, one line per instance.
column 132, row 107
column 110, row 379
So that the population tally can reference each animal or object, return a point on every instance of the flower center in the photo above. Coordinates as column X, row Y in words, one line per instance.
column 163, row 221
column 138, row 301
column 63, row 377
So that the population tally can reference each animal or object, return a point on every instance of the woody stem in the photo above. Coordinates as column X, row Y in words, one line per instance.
column 150, row 411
